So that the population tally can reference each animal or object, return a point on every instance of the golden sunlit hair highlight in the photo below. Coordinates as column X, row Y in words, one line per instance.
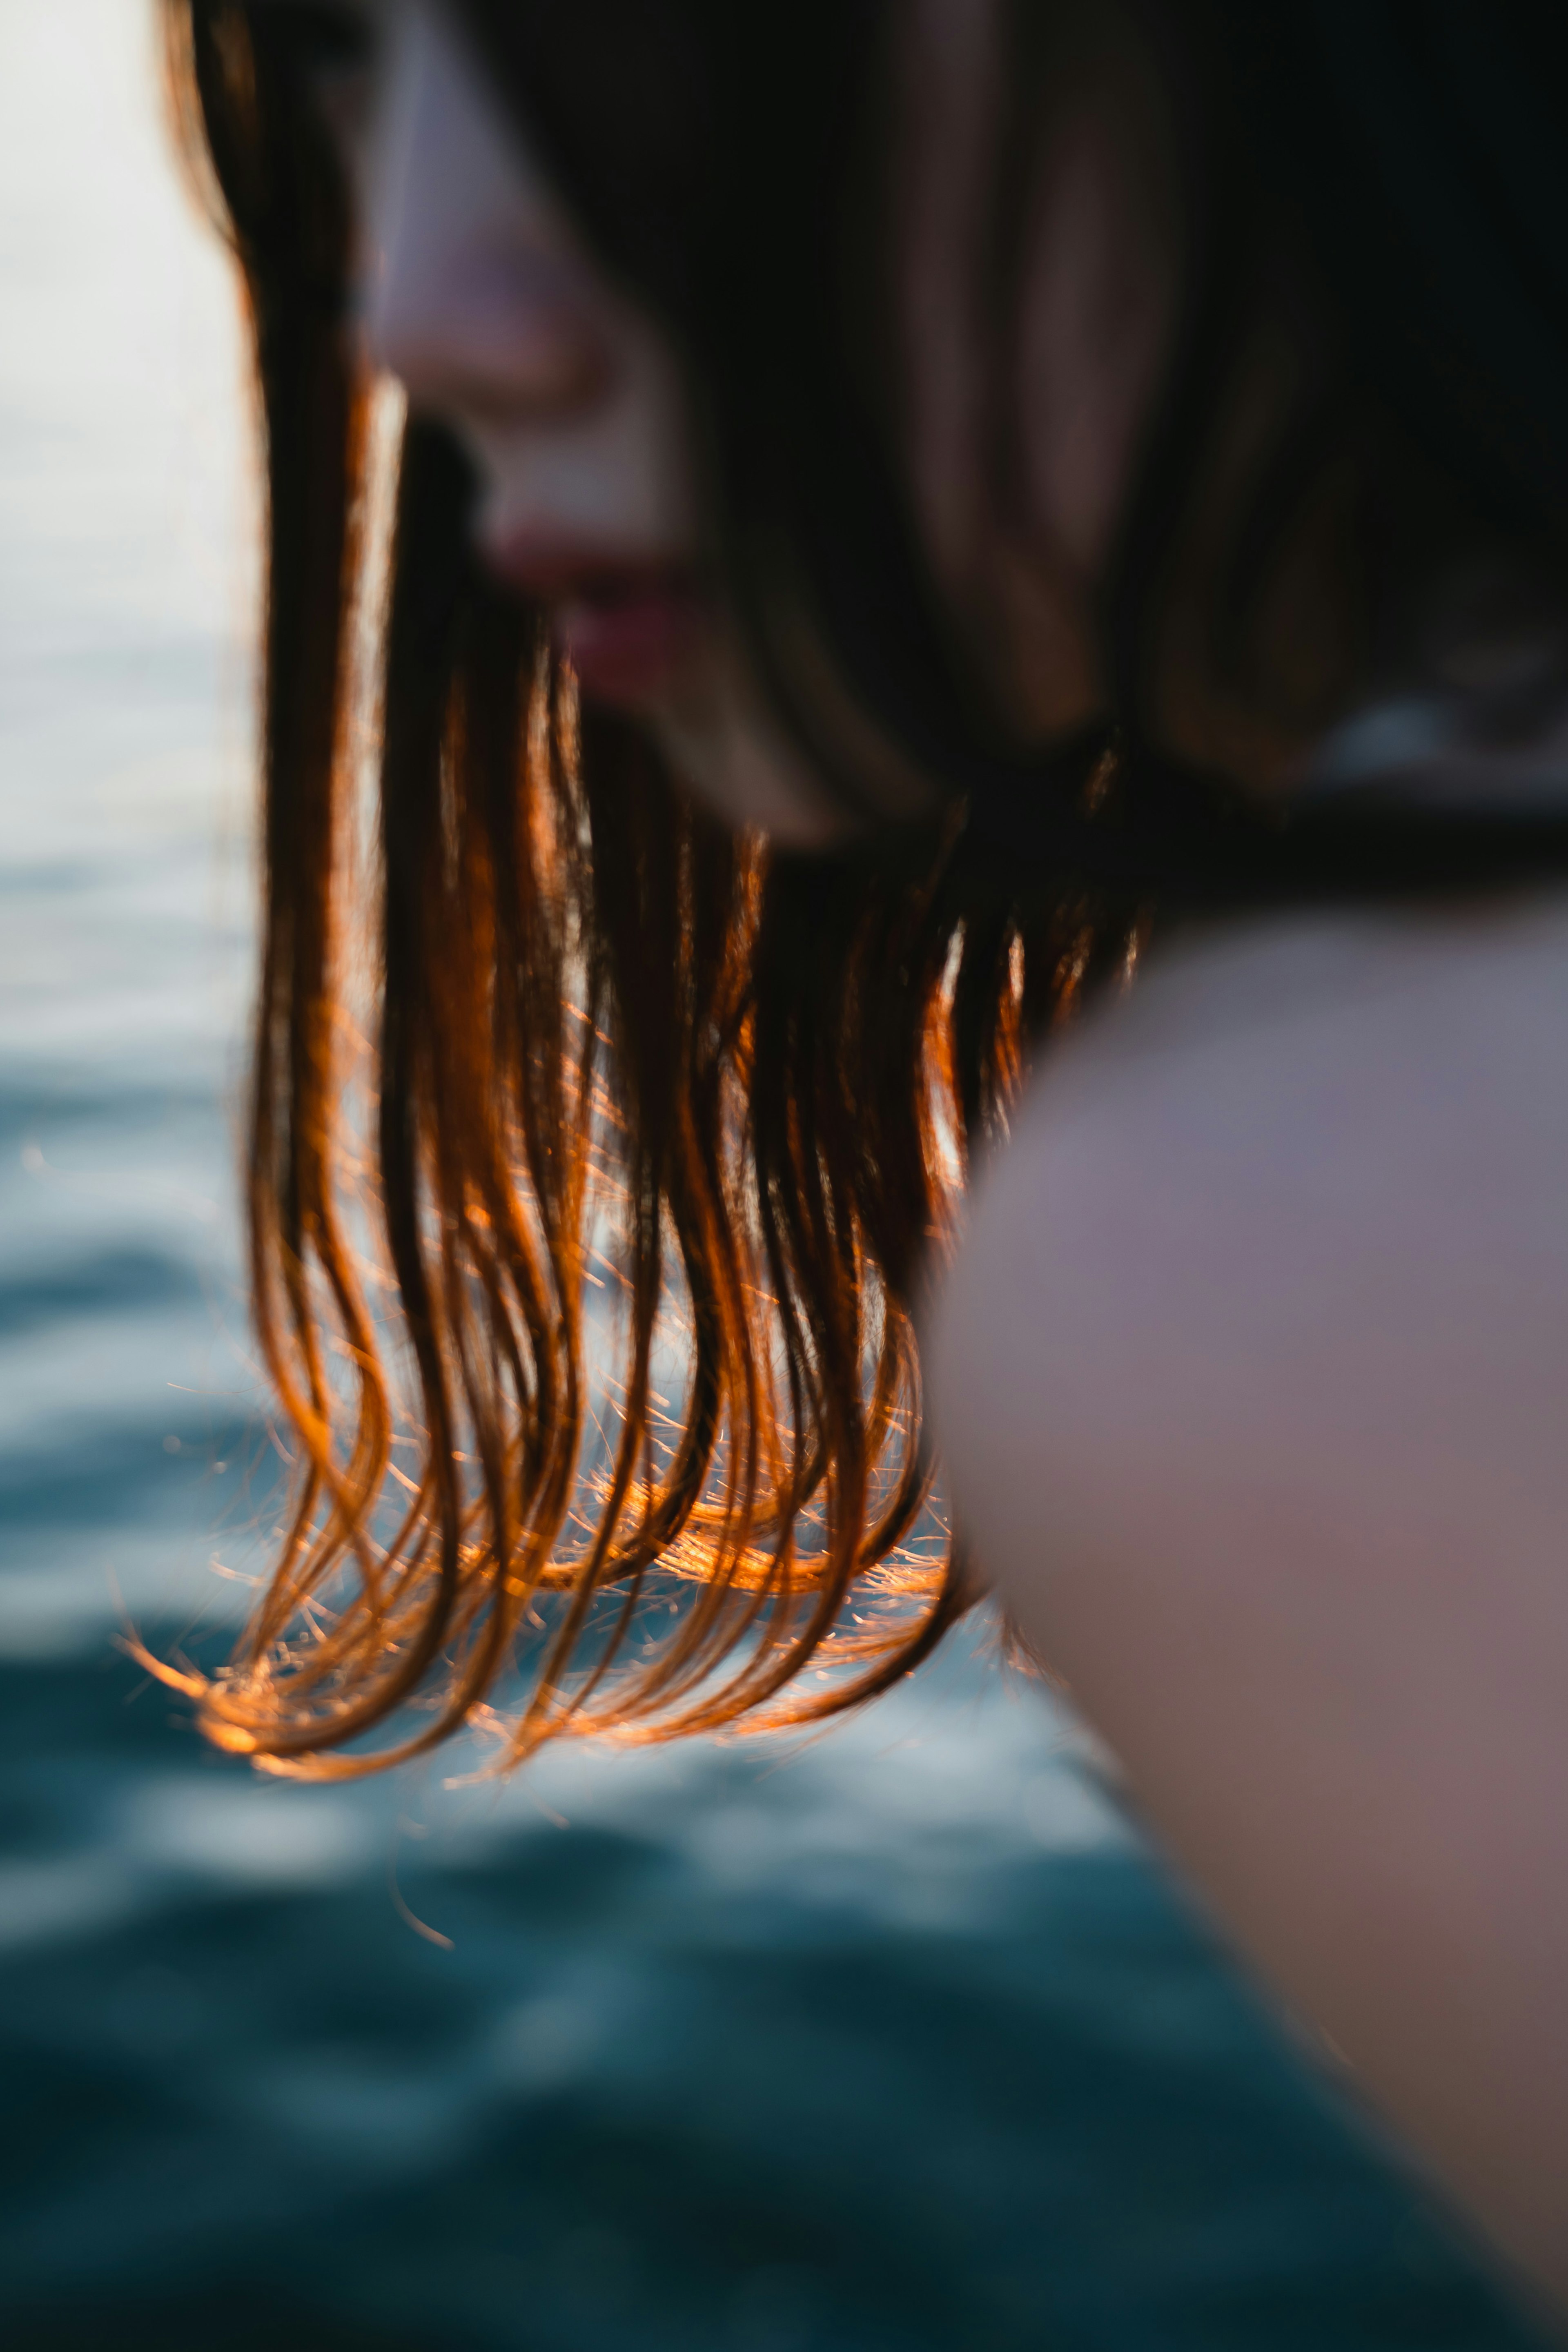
column 592, row 1339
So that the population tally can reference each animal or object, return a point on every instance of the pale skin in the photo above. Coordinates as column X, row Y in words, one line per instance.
column 1251, row 1379
column 1251, row 1371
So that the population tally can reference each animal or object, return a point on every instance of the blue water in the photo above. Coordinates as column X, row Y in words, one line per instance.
column 895, row 2042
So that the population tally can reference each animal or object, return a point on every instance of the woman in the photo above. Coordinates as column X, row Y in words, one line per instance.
column 903, row 513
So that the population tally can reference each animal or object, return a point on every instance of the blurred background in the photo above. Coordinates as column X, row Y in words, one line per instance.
column 893, row 2040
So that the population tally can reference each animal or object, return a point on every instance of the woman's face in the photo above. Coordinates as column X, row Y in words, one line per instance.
column 476, row 291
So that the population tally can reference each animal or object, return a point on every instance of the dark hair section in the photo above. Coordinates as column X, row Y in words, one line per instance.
column 1360, row 448
column 592, row 1337
column 639, row 1094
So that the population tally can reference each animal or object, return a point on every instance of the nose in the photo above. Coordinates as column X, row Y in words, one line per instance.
column 475, row 296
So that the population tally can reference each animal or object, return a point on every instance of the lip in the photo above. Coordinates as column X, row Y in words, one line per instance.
column 629, row 629
column 629, row 642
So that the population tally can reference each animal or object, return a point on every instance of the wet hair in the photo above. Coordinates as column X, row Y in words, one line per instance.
column 594, row 1337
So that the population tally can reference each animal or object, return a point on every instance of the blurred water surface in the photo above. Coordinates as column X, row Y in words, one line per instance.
column 895, row 2043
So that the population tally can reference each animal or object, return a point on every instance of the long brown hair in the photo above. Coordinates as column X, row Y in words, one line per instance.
column 637, row 1088
column 584, row 1267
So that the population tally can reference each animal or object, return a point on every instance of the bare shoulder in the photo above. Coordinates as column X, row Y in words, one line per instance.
column 1254, row 1386
column 1253, row 1382
column 1299, row 1199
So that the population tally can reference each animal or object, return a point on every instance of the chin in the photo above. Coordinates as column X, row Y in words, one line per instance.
column 740, row 765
